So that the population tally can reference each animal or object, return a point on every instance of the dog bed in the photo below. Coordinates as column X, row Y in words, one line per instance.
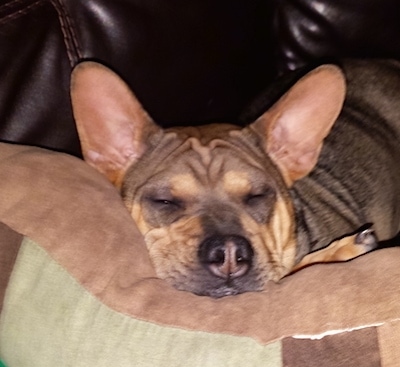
column 77, row 289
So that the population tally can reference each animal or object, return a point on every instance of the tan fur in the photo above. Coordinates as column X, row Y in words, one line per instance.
column 174, row 249
column 274, row 242
column 185, row 185
column 236, row 183
column 344, row 249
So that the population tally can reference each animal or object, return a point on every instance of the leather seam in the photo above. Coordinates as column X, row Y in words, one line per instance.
column 71, row 40
column 17, row 13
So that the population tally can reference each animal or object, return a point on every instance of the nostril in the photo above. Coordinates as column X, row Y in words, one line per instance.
column 226, row 256
column 215, row 253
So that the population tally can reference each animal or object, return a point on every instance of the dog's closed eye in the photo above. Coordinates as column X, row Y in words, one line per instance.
column 259, row 203
column 258, row 197
column 161, row 210
column 254, row 199
column 160, row 203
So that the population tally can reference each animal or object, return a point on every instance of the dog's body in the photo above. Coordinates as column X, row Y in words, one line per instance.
column 225, row 209
column 357, row 177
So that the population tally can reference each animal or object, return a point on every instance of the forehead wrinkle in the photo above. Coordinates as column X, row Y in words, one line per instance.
column 204, row 151
column 201, row 167
column 213, row 156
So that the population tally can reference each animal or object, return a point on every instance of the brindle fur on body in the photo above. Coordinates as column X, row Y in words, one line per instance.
column 225, row 209
column 357, row 177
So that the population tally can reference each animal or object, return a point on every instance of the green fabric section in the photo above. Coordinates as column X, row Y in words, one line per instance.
column 50, row 320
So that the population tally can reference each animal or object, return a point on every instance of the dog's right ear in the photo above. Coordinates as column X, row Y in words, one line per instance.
column 112, row 124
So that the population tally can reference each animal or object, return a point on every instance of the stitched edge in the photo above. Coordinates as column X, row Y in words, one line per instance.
column 18, row 8
column 71, row 41
column 15, row 9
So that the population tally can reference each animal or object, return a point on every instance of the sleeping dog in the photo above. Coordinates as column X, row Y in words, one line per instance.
column 224, row 209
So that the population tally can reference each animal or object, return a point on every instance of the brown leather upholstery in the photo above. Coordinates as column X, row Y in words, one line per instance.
column 188, row 61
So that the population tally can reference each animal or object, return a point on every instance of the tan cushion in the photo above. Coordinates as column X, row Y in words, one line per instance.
column 82, row 290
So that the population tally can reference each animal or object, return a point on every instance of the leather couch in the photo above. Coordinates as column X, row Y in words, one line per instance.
column 189, row 62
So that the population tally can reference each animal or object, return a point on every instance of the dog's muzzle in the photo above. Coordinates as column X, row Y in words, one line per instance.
column 226, row 256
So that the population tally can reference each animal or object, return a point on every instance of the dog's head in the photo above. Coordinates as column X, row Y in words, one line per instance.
column 212, row 202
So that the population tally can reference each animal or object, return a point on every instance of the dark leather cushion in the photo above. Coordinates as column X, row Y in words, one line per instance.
column 34, row 78
column 189, row 62
column 307, row 30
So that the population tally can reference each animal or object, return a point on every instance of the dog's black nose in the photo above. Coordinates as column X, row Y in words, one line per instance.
column 226, row 256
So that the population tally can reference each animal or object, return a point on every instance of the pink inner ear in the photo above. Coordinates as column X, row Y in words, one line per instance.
column 112, row 124
column 299, row 122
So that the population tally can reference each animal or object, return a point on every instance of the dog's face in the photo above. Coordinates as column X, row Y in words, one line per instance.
column 216, row 218
column 212, row 202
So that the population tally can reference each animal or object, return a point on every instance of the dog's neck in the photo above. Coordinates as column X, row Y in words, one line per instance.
column 304, row 233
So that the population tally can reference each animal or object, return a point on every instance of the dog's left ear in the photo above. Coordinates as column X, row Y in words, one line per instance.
column 295, row 127
column 113, row 126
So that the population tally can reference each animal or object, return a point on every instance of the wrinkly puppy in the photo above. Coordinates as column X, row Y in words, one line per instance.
column 224, row 209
